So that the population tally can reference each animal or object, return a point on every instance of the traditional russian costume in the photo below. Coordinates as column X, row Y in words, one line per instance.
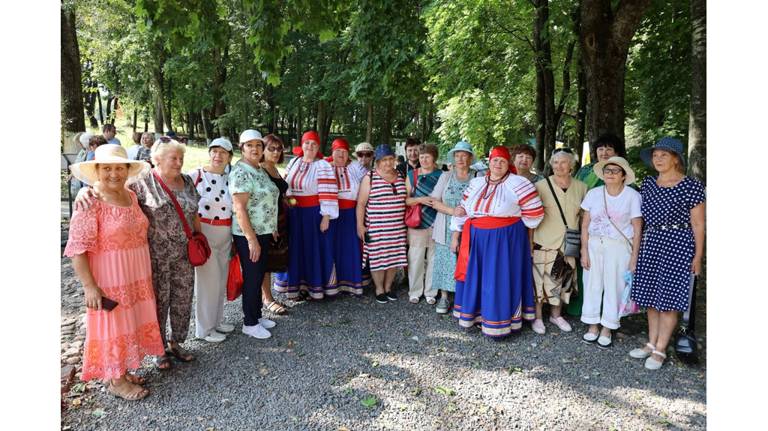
column 347, row 251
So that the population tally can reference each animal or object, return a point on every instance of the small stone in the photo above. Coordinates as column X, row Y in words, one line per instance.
column 72, row 360
column 71, row 352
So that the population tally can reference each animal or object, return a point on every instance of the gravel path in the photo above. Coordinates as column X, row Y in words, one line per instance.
column 352, row 364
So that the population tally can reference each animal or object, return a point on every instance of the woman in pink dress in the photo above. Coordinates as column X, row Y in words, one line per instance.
column 110, row 254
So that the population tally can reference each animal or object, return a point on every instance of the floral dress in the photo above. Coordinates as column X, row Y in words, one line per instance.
column 115, row 240
column 445, row 260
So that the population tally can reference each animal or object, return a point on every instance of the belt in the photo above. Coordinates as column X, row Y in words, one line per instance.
column 669, row 226
column 345, row 204
column 304, row 201
column 487, row 222
column 217, row 222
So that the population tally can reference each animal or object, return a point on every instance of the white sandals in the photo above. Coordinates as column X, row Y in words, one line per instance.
column 639, row 353
column 653, row 364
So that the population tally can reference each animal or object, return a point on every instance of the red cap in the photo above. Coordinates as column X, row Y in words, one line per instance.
column 340, row 144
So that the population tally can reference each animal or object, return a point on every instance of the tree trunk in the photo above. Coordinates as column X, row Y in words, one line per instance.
column 545, row 84
column 190, row 126
column 697, row 123
column 321, row 112
column 158, row 82
column 206, row 128
column 369, row 124
column 605, row 38
column 110, row 120
column 167, row 114
column 135, row 118
column 72, row 112
column 386, row 128
column 581, row 113
column 101, row 110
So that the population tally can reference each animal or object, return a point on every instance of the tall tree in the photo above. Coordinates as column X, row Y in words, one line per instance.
column 72, row 111
column 607, row 28
column 697, row 129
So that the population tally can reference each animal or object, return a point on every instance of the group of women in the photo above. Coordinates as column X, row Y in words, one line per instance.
column 499, row 243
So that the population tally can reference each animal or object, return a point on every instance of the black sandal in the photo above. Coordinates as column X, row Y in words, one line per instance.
column 163, row 362
column 180, row 354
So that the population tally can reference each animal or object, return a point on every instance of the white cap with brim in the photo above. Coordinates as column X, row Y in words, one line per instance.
column 618, row 161
column 250, row 135
column 221, row 142
column 107, row 154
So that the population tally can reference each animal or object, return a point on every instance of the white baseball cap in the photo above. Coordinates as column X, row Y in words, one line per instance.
column 223, row 143
column 250, row 135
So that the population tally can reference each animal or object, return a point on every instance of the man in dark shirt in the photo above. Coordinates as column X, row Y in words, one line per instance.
column 411, row 154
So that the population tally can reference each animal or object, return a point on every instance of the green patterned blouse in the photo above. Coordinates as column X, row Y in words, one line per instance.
column 262, row 198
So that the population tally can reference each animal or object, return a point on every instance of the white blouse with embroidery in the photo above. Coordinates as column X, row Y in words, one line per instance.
column 348, row 180
column 514, row 197
column 314, row 178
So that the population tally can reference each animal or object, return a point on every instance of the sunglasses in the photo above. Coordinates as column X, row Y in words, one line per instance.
column 364, row 154
column 564, row 150
column 274, row 149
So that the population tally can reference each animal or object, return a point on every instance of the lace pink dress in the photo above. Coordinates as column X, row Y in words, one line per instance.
column 115, row 241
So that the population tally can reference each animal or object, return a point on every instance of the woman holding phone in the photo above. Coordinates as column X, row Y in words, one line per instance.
column 110, row 253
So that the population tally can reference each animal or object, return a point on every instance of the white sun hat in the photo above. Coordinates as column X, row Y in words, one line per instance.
column 250, row 135
column 104, row 154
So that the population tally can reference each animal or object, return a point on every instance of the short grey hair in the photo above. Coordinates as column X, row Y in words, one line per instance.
column 563, row 154
column 159, row 148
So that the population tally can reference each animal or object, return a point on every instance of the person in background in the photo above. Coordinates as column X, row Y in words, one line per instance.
column 421, row 182
column 364, row 154
column 610, row 241
column 314, row 195
column 109, row 131
column 554, row 274
column 380, row 222
column 133, row 151
column 254, row 227
column 412, row 157
column 447, row 195
column 80, row 140
column 145, row 152
column 672, row 246
column 215, row 213
column 603, row 148
column 110, row 255
column 95, row 142
column 494, row 283
column 277, row 256
column 343, row 230
column 523, row 157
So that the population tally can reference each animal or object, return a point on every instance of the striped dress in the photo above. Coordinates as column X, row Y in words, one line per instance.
column 385, row 224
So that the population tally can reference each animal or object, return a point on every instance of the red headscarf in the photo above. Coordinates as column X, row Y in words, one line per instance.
column 340, row 144
column 309, row 135
column 503, row 152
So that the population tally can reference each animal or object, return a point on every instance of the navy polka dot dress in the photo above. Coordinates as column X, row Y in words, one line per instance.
column 664, row 266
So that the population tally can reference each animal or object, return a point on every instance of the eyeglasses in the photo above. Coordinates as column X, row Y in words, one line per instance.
column 274, row 149
column 612, row 171
column 364, row 154
column 564, row 149
column 165, row 139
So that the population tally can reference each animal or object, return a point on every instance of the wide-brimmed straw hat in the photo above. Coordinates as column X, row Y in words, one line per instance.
column 618, row 161
column 106, row 154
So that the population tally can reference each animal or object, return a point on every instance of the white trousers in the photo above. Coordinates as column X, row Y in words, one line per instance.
column 211, row 280
column 421, row 260
column 604, row 281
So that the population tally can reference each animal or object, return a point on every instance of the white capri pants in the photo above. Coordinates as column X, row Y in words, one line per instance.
column 604, row 281
column 421, row 260
column 211, row 280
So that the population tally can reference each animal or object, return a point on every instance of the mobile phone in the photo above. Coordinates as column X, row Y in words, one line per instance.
column 108, row 304
column 367, row 237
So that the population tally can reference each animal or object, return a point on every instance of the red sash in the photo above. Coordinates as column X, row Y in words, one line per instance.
column 306, row 201
column 219, row 222
column 345, row 204
column 480, row 223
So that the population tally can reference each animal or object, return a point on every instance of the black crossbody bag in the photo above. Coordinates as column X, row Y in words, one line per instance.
column 572, row 236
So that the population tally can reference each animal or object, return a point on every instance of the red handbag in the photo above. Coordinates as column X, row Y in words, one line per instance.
column 234, row 278
column 413, row 212
column 198, row 250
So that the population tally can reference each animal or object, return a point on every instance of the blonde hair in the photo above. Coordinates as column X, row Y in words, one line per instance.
column 159, row 148
column 561, row 154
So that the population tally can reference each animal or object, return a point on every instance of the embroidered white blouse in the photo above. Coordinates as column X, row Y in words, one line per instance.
column 314, row 178
column 514, row 197
column 348, row 180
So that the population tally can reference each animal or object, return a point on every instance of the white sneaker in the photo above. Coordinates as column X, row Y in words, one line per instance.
column 266, row 323
column 256, row 331
column 215, row 337
column 225, row 328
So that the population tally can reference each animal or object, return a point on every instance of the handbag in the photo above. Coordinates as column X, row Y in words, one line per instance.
column 413, row 212
column 234, row 278
column 686, row 346
column 198, row 250
column 572, row 236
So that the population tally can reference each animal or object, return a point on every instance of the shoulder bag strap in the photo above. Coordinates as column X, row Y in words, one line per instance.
column 415, row 181
column 605, row 200
column 199, row 176
column 179, row 211
column 554, row 195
